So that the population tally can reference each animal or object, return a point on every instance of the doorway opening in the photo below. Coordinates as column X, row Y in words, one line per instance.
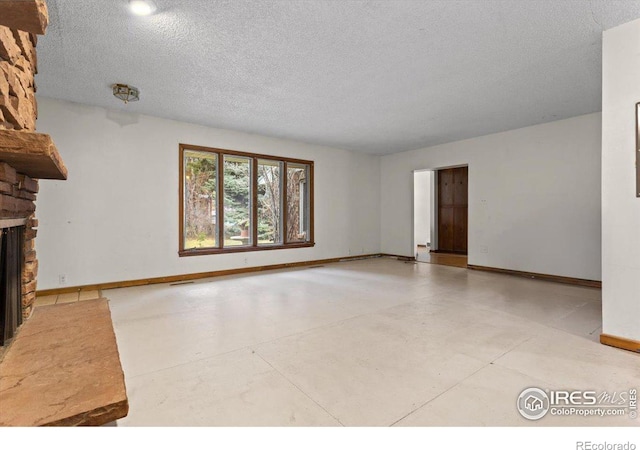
column 440, row 216
column 423, row 217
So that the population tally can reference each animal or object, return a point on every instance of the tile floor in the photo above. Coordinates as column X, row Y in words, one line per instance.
column 67, row 298
column 374, row 342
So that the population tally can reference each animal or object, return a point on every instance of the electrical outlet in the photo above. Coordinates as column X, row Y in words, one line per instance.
column 484, row 249
column 246, row 261
column 62, row 279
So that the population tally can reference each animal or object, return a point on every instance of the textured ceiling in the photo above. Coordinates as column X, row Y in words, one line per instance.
column 373, row 76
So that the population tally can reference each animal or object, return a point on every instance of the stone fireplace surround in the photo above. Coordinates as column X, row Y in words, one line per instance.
column 25, row 156
column 62, row 366
column 24, row 196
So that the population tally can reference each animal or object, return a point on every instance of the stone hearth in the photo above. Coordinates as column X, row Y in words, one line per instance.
column 64, row 369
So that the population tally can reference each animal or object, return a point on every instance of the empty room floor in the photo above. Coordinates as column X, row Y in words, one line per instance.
column 372, row 342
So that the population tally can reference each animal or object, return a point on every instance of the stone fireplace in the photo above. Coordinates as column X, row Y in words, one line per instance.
column 17, row 203
column 25, row 156
column 62, row 366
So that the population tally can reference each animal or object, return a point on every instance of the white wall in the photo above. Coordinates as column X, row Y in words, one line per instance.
column 422, row 207
column 620, row 207
column 534, row 197
column 116, row 217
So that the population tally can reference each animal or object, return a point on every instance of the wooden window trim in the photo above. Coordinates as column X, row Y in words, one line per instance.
column 637, row 150
column 220, row 249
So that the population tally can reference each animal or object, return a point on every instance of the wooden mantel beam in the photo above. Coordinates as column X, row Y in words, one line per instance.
column 32, row 154
column 26, row 15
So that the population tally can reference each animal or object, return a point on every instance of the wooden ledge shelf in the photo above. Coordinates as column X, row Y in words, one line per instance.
column 26, row 15
column 32, row 154
column 63, row 369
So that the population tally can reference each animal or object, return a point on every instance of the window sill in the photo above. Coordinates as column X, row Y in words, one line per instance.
column 217, row 251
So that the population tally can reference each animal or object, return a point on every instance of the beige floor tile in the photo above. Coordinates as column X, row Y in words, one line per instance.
column 45, row 300
column 225, row 325
column 583, row 321
column 67, row 298
column 235, row 389
column 88, row 295
column 367, row 371
column 370, row 341
column 488, row 398
column 595, row 335
column 479, row 333
column 566, row 361
column 484, row 341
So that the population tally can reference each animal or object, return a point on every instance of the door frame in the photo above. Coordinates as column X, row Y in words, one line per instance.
column 434, row 204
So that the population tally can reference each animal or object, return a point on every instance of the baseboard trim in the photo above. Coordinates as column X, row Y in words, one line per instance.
column 197, row 276
column 227, row 272
column 398, row 257
column 618, row 342
column 540, row 276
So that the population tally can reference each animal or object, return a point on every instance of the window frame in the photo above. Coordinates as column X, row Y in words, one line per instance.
column 255, row 157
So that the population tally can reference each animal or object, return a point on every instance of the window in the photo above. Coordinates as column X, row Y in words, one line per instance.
column 269, row 198
column 297, row 215
column 236, row 201
column 232, row 201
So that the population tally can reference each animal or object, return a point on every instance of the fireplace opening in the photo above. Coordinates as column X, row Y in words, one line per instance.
column 11, row 260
